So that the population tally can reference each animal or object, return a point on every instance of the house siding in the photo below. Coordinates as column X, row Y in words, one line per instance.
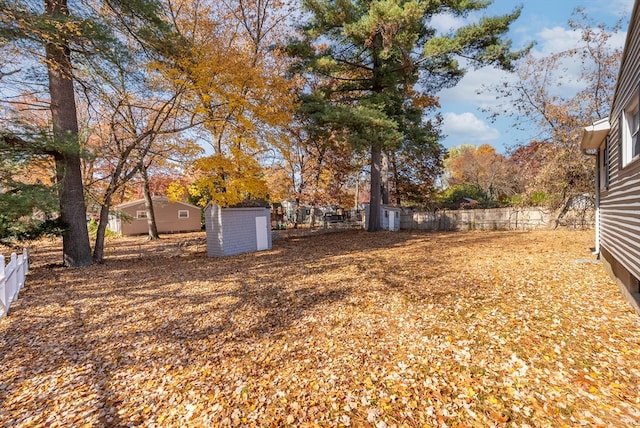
column 619, row 203
column 233, row 230
column 166, row 215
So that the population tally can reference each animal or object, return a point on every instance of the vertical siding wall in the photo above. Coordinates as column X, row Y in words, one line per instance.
column 166, row 214
column 240, row 229
column 233, row 230
column 620, row 203
column 213, row 226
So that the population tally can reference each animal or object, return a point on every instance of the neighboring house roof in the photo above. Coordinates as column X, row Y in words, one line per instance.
column 154, row 199
column 594, row 135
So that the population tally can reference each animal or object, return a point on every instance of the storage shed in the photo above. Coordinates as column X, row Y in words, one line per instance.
column 237, row 230
column 389, row 217
column 171, row 217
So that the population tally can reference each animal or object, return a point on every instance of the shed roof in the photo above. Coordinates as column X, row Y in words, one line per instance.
column 390, row 207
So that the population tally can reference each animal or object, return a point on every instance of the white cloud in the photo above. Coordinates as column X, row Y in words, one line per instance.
column 559, row 39
column 474, row 88
column 554, row 40
column 617, row 40
column 466, row 128
column 446, row 22
column 621, row 7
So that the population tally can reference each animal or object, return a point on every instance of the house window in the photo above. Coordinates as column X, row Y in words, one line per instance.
column 141, row 215
column 629, row 127
column 183, row 213
column 603, row 164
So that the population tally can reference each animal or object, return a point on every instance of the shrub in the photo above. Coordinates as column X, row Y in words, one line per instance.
column 92, row 226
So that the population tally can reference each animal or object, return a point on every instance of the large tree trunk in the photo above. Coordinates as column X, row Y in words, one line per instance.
column 374, row 201
column 559, row 213
column 148, row 204
column 312, row 217
column 376, row 151
column 384, row 179
column 75, row 240
column 296, row 214
column 98, row 250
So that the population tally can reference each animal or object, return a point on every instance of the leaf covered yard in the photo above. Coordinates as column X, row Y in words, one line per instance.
column 350, row 329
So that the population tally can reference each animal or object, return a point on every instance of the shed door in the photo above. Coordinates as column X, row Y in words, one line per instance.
column 392, row 219
column 261, row 233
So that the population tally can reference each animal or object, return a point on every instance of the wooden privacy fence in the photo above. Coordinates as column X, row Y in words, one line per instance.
column 12, row 278
column 509, row 218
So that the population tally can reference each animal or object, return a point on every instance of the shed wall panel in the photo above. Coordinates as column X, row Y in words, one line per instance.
column 233, row 230
column 213, row 226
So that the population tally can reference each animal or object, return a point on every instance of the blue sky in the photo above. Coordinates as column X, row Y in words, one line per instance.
column 544, row 21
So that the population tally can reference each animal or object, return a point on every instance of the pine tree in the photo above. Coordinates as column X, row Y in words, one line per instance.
column 380, row 62
column 72, row 38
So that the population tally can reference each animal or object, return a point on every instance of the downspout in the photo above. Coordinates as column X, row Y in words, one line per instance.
column 592, row 138
column 596, row 155
column 596, row 250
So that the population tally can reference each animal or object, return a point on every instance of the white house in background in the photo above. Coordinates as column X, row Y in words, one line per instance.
column 171, row 217
column 615, row 142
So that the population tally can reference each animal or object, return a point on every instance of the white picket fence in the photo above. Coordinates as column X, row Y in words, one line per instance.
column 12, row 278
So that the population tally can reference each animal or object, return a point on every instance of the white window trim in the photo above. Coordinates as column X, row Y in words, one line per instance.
column 181, row 212
column 604, row 160
column 630, row 136
column 141, row 214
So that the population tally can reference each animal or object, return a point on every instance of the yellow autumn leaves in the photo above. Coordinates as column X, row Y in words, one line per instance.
column 345, row 329
column 228, row 180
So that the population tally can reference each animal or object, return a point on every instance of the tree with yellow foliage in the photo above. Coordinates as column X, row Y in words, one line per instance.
column 227, row 180
column 239, row 88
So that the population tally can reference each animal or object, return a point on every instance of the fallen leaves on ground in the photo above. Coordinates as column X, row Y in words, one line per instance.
column 348, row 329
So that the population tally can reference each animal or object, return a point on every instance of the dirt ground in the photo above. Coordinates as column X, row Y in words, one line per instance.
column 388, row 329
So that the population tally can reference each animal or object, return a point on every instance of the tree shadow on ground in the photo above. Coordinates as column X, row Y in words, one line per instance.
column 111, row 316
